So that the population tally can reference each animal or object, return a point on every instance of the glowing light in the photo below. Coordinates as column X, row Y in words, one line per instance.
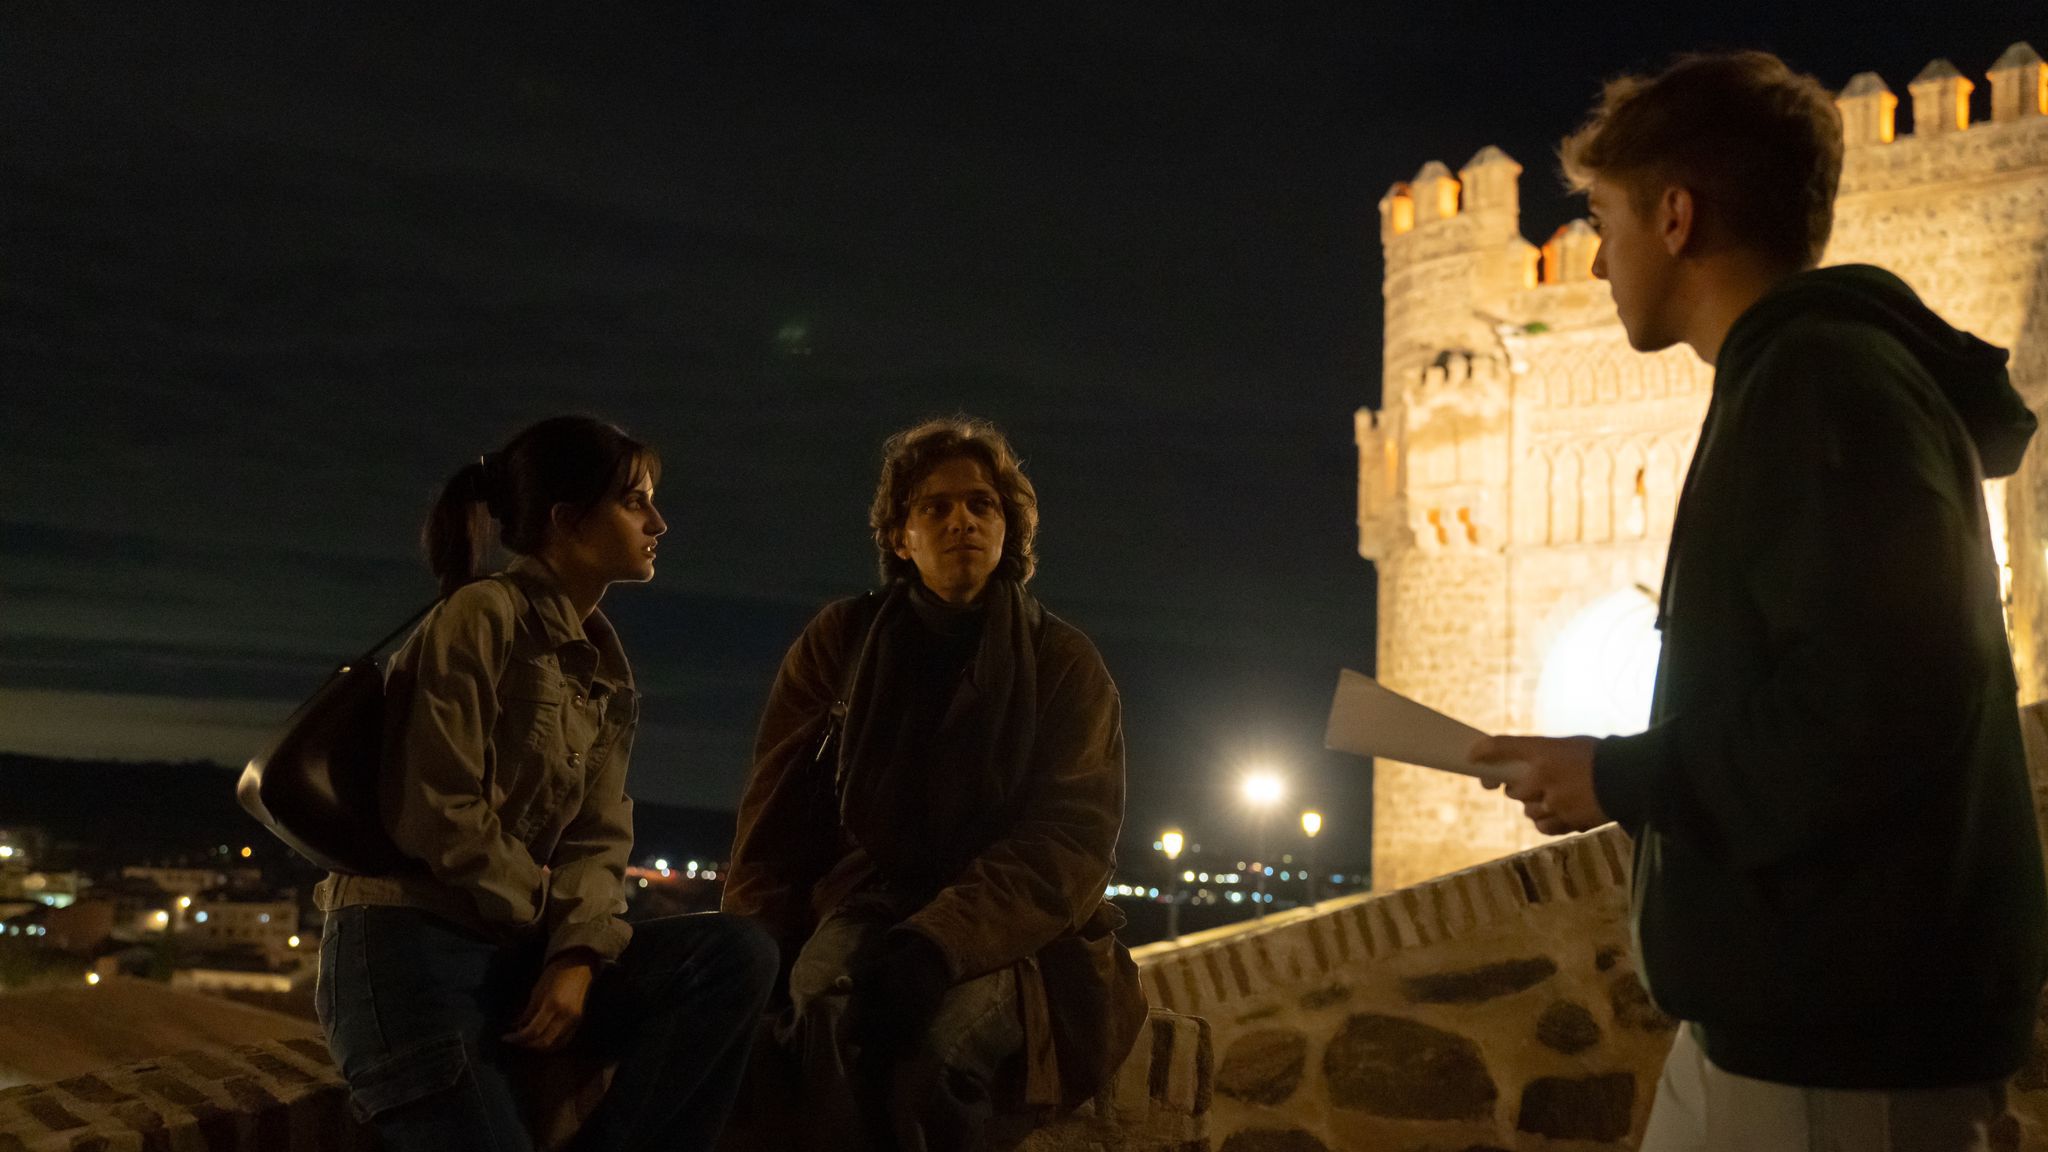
column 184, row 901
column 1189, row 877
column 247, row 851
column 1311, row 822
column 6, row 852
column 92, row 979
column 263, row 918
column 661, row 866
column 162, row 919
column 643, row 881
column 709, row 874
column 201, row 917
column 292, row 943
column 1171, row 844
column 1401, row 211
column 1263, row 789
column 1601, row 670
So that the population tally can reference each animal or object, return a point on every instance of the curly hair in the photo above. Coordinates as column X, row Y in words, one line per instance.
column 1759, row 145
column 910, row 455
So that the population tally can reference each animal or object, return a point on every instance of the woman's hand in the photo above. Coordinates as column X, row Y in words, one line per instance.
column 555, row 1010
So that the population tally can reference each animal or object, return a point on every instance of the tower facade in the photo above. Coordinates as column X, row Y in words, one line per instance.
column 1517, row 486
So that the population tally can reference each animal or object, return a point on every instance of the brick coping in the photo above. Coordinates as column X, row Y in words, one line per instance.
column 1302, row 946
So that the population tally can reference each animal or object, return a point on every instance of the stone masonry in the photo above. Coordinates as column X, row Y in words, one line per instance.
column 1493, row 1008
column 1521, row 476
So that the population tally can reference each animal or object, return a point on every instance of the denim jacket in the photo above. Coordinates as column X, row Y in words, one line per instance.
column 509, row 725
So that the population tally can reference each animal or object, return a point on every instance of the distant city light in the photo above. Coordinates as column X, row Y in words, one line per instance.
column 92, row 978
column 6, row 851
column 263, row 918
column 247, row 851
column 1171, row 842
column 292, row 943
column 1188, row 876
column 708, row 874
column 201, row 917
column 1311, row 822
column 643, row 881
column 184, row 901
column 162, row 918
column 661, row 865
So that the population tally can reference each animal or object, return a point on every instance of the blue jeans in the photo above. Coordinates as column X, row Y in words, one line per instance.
column 414, row 1008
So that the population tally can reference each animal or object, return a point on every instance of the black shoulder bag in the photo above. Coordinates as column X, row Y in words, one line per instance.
column 315, row 786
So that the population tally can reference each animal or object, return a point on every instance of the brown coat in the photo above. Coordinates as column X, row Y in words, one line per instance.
column 1030, row 899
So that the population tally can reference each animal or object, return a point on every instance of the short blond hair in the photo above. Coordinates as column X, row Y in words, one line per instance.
column 1757, row 144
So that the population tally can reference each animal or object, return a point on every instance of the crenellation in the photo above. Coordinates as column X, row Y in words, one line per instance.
column 1869, row 111
column 1568, row 257
column 1436, row 194
column 1941, row 100
column 1523, row 473
column 1492, row 182
column 2019, row 84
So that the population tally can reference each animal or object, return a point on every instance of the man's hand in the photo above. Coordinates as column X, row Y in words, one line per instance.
column 1556, row 789
column 555, row 1010
column 896, row 993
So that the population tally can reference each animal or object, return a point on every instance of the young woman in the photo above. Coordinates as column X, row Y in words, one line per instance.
column 511, row 719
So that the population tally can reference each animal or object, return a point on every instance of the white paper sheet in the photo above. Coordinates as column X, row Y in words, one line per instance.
column 1370, row 719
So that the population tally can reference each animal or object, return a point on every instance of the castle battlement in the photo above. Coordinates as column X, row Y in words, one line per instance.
column 1436, row 216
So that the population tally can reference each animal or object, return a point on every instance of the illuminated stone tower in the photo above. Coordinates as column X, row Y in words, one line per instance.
column 1517, row 486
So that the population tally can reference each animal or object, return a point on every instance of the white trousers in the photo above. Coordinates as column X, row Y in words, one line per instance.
column 1701, row 1108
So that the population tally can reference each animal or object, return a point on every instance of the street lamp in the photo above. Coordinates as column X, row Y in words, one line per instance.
column 1262, row 790
column 1311, row 823
column 1170, row 842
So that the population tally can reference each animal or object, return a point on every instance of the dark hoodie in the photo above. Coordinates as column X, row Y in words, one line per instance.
column 1838, row 877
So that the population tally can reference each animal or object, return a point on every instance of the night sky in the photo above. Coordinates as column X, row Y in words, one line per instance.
column 266, row 278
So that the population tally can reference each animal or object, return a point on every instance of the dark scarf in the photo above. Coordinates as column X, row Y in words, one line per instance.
column 923, row 807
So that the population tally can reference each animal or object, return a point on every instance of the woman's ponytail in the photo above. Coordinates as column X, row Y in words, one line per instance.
column 514, row 492
column 458, row 530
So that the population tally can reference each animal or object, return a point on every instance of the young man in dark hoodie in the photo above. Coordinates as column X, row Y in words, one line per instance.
column 1838, row 883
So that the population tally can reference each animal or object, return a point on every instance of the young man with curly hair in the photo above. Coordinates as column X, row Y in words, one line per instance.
column 1838, row 882
column 930, row 821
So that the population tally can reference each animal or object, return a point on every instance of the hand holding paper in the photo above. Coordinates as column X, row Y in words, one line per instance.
column 1369, row 719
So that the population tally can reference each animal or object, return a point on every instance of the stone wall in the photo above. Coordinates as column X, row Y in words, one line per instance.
column 286, row 1096
column 1493, row 1008
column 1526, row 462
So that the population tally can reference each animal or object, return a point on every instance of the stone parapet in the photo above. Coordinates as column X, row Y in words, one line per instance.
column 1493, row 1007
column 287, row 1096
column 283, row 1096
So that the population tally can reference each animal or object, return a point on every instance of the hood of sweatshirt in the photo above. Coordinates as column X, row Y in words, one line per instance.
column 1970, row 372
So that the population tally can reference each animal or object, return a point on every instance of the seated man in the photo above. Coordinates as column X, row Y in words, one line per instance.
column 930, row 820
